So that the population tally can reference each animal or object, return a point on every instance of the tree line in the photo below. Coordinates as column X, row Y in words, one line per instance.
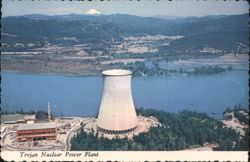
column 182, row 130
column 140, row 69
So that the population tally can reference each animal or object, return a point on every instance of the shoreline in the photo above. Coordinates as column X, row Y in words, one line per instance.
column 49, row 73
column 218, row 117
column 99, row 75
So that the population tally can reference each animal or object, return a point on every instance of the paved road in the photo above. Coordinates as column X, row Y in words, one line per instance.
column 69, row 136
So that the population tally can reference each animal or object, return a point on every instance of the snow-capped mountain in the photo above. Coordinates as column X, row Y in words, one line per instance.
column 93, row 12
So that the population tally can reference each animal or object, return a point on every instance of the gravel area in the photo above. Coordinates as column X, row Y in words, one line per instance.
column 11, row 117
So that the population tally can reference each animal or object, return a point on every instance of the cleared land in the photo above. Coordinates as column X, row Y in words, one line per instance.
column 66, row 129
column 235, row 124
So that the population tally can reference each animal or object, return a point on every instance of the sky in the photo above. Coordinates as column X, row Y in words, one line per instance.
column 182, row 8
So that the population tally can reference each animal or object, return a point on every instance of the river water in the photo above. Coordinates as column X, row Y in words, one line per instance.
column 80, row 96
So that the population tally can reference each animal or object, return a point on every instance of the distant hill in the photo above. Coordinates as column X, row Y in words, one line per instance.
column 187, row 18
column 33, row 31
column 221, row 32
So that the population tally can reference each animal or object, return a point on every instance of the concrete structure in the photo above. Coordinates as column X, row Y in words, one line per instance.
column 36, row 131
column 11, row 122
column 117, row 111
column 30, row 118
column 30, row 122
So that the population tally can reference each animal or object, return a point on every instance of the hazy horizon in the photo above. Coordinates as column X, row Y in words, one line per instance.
column 156, row 16
column 141, row 8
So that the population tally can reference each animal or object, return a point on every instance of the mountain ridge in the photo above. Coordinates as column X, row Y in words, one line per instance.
column 205, row 31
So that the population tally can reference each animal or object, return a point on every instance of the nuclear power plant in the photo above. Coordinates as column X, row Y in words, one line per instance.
column 117, row 111
column 116, row 118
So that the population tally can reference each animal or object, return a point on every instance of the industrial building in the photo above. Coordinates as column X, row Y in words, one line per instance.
column 117, row 111
column 36, row 131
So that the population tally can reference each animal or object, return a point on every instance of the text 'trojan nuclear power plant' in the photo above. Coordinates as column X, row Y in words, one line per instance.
column 117, row 111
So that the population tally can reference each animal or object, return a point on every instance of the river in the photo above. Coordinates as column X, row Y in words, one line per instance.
column 80, row 96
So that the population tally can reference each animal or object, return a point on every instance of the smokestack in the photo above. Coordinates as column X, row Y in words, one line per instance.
column 117, row 111
column 49, row 114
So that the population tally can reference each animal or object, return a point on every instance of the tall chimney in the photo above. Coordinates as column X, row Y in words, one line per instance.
column 49, row 114
column 117, row 111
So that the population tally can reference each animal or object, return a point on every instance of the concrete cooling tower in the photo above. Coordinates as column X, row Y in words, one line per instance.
column 117, row 111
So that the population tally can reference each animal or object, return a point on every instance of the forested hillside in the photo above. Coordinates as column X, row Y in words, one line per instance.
column 68, row 30
column 186, row 129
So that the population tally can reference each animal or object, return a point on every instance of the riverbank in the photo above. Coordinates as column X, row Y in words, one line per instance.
column 205, row 66
column 173, row 73
column 186, row 130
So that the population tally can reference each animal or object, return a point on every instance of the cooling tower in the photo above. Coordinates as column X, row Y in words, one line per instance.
column 117, row 111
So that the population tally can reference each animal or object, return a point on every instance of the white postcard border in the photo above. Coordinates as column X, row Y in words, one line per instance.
column 124, row 155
